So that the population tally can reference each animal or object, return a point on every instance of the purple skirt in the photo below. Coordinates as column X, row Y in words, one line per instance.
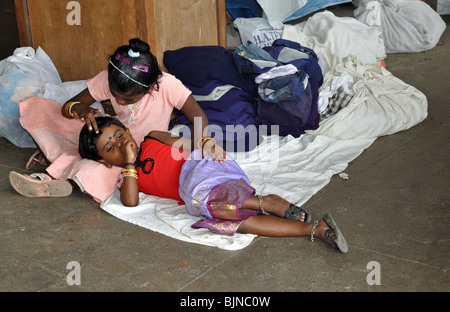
column 215, row 192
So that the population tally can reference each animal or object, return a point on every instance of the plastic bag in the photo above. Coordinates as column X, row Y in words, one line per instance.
column 22, row 75
column 406, row 26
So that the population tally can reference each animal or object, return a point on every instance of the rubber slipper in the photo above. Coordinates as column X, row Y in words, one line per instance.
column 35, row 159
column 334, row 234
column 39, row 185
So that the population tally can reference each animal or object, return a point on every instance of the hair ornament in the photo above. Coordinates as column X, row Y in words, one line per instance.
column 133, row 54
column 120, row 58
column 140, row 68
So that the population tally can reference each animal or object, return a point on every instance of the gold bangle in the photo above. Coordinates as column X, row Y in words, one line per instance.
column 68, row 108
column 129, row 171
column 130, row 175
column 204, row 140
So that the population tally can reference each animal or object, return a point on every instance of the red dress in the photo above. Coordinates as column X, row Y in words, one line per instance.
column 159, row 167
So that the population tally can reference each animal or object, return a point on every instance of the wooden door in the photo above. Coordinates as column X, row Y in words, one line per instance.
column 80, row 35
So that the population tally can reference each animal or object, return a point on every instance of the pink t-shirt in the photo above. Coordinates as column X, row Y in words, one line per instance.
column 153, row 112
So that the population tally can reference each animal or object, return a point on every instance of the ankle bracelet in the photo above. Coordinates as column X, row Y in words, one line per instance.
column 314, row 229
column 261, row 206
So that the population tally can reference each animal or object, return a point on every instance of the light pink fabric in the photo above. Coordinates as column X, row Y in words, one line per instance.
column 57, row 136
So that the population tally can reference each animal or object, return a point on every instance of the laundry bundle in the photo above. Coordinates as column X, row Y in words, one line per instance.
column 408, row 26
column 288, row 76
column 227, row 97
column 253, row 92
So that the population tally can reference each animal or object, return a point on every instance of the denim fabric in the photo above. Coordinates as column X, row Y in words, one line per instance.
column 283, row 88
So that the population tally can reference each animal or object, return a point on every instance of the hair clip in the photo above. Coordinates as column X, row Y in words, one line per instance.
column 120, row 58
column 133, row 54
column 140, row 68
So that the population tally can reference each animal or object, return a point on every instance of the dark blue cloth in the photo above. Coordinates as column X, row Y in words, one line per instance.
column 310, row 64
column 198, row 66
column 237, row 110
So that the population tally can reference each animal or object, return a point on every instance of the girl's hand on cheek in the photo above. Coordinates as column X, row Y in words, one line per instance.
column 130, row 151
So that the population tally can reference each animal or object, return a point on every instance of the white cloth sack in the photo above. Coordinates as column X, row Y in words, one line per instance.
column 23, row 74
column 443, row 7
column 334, row 38
column 382, row 104
column 407, row 26
column 257, row 30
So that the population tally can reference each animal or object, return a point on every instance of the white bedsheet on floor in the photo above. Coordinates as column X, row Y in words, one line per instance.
column 296, row 169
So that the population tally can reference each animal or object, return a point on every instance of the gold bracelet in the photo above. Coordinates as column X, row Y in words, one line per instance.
column 204, row 140
column 68, row 108
column 130, row 175
column 129, row 171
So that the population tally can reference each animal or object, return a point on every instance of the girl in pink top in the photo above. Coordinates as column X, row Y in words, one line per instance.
column 142, row 96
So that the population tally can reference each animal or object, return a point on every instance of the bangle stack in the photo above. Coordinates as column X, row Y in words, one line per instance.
column 129, row 173
column 68, row 108
column 203, row 140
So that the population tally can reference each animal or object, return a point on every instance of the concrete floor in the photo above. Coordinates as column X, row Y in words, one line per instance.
column 394, row 210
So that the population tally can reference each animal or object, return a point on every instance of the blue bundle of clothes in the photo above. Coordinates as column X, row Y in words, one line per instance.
column 275, row 86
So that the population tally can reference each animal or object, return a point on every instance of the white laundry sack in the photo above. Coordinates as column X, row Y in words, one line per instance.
column 443, row 7
column 333, row 38
column 407, row 26
column 23, row 74
column 257, row 30
column 382, row 104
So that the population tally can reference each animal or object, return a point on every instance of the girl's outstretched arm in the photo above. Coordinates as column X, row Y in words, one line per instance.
column 191, row 109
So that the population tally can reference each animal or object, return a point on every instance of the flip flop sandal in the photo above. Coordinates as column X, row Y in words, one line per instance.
column 39, row 185
column 333, row 235
column 294, row 213
column 35, row 159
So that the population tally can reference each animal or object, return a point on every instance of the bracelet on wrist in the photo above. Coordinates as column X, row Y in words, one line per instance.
column 68, row 108
column 203, row 140
column 129, row 173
